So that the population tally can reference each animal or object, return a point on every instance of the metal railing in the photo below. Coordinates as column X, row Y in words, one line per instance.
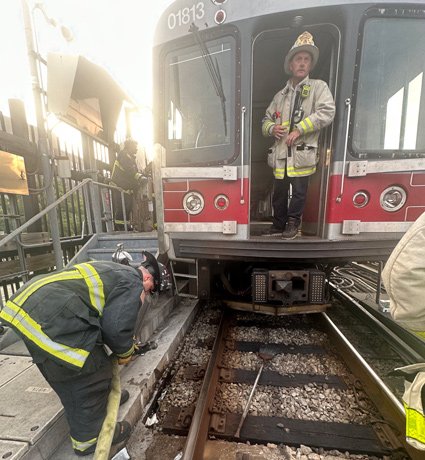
column 91, row 192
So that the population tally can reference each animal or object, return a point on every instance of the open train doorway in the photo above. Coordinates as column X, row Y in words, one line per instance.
column 268, row 77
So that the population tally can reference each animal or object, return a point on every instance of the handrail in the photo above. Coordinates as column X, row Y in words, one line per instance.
column 51, row 206
column 42, row 213
column 56, row 240
column 122, row 191
column 42, row 245
column 344, row 161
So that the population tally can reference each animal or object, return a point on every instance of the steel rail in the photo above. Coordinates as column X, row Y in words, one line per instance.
column 404, row 350
column 198, row 432
column 389, row 406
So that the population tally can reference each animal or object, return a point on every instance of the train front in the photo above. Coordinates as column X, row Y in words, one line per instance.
column 217, row 65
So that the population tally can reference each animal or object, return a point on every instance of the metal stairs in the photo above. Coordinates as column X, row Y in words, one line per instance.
column 102, row 246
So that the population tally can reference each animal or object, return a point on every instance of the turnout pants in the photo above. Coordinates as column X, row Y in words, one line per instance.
column 84, row 397
column 281, row 210
column 118, row 209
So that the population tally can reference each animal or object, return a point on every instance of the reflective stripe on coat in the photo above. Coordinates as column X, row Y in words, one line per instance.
column 413, row 401
column 63, row 315
column 319, row 111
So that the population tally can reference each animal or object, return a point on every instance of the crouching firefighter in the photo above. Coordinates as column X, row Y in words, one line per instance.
column 68, row 319
column 404, row 280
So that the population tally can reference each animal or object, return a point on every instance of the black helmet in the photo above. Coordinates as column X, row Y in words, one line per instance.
column 130, row 145
column 159, row 272
column 151, row 265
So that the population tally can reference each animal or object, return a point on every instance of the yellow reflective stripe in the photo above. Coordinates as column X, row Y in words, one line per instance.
column 300, row 172
column 310, row 124
column 127, row 353
column 415, row 424
column 94, row 285
column 266, row 127
column 82, row 445
column 68, row 275
column 118, row 165
column 285, row 123
column 20, row 319
column 420, row 334
column 121, row 222
column 306, row 125
column 303, row 126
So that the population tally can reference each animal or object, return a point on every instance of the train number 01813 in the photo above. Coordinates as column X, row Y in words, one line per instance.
column 186, row 15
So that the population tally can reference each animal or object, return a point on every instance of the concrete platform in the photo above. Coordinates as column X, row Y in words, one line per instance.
column 32, row 423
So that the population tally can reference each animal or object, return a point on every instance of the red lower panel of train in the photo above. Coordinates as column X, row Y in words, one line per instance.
column 373, row 186
column 222, row 200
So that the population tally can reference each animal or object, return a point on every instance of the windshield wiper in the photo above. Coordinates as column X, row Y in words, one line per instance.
column 213, row 71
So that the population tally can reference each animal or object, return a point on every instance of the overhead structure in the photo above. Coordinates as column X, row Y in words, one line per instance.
column 84, row 94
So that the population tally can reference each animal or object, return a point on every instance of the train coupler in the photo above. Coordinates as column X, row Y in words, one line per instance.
column 288, row 287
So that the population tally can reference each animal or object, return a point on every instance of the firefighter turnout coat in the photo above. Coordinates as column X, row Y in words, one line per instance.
column 404, row 280
column 314, row 109
column 63, row 315
column 125, row 173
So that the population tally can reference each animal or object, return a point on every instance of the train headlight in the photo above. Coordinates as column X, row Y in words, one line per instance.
column 221, row 202
column 220, row 17
column 393, row 198
column 360, row 199
column 193, row 203
column 219, row 2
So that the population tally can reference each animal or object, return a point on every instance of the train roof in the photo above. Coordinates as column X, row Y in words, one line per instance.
column 175, row 22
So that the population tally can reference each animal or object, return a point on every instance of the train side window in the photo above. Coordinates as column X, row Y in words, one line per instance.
column 200, row 102
column 390, row 104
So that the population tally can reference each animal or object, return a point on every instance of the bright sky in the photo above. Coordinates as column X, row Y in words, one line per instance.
column 117, row 34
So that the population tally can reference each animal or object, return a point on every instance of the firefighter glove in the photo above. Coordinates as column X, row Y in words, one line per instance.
column 122, row 361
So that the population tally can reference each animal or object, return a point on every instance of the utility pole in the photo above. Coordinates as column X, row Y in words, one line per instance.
column 43, row 144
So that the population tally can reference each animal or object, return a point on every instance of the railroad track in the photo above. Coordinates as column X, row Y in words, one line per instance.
column 300, row 391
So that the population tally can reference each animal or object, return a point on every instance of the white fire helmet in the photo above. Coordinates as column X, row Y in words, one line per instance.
column 122, row 257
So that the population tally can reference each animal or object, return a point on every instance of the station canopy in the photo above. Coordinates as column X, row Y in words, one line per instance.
column 84, row 94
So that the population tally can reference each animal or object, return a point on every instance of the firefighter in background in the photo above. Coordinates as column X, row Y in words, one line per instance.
column 404, row 280
column 66, row 318
column 125, row 175
column 142, row 216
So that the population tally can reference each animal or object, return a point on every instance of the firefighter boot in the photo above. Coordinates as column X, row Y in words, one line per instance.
column 291, row 229
column 122, row 433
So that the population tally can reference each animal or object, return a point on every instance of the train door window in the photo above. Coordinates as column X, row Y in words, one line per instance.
column 390, row 105
column 200, row 102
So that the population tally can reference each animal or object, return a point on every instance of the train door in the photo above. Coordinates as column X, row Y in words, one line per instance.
column 269, row 50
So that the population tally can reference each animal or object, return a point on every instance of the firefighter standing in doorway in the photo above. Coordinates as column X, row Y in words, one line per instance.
column 295, row 118
column 125, row 175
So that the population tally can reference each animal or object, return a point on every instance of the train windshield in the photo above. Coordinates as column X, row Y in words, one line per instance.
column 390, row 106
column 200, row 82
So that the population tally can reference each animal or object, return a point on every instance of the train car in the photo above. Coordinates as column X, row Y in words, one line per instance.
column 217, row 66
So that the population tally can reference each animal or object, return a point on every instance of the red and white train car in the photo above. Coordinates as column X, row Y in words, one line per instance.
column 217, row 65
